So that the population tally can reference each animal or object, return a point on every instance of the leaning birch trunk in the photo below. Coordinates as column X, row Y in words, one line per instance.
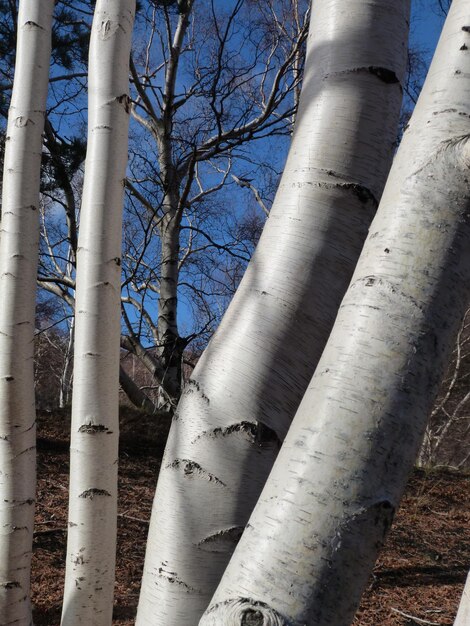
column 18, row 267
column 463, row 614
column 241, row 397
column 311, row 542
column 91, row 546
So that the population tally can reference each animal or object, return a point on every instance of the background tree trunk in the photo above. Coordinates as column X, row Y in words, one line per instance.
column 18, row 263
column 463, row 615
column 91, row 546
column 241, row 397
column 313, row 538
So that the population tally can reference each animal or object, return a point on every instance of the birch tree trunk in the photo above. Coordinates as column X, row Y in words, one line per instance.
column 91, row 547
column 463, row 614
column 238, row 404
column 312, row 540
column 18, row 269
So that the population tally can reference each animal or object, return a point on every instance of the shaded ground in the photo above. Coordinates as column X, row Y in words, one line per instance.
column 420, row 574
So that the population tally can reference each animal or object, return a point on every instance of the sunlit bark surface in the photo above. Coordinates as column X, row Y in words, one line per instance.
column 18, row 269
column 91, row 545
column 311, row 542
column 238, row 404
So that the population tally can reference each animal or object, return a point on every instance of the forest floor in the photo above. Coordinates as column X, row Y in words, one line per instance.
column 417, row 580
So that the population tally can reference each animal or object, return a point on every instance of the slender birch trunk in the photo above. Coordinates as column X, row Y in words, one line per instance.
column 238, row 404
column 312, row 540
column 89, row 581
column 463, row 614
column 18, row 269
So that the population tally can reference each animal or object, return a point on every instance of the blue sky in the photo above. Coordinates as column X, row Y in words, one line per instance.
column 426, row 25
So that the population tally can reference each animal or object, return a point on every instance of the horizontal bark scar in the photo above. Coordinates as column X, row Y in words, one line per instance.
column 93, row 429
column 192, row 469
column 382, row 73
column 92, row 493
column 10, row 584
column 256, row 432
column 363, row 193
column 222, row 541
column 30, row 24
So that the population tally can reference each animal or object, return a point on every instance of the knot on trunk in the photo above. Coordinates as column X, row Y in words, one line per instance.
column 243, row 612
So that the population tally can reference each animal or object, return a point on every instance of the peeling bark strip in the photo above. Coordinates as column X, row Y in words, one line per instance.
column 191, row 468
column 222, row 541
column 95, row 400
column 330, row 498
column 18, row 262
column 249, row 382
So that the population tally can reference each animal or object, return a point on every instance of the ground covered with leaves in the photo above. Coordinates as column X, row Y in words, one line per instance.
column 417, row 580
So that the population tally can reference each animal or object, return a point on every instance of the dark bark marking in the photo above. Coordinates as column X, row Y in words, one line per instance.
column 384, row 74
column 101, row 127
column 172, row 578
column 9, row 378
column 92, row 493
column 464, row 47
column 445, row 111
column 22, row 121
column 10, row 584
column 191, row 468
column 193, row 386
column 31, row 24
column 387, row 250
column 257, row 433
column 466, row 29
column 117, row 260
column 125, row 101
column 93, row 429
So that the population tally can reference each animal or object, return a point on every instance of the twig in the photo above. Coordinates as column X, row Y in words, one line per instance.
column 418, row 620
column 134, row 519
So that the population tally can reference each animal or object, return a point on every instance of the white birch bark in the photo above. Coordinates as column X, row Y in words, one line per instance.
column 312, row 540
column 91, row 546
column 238, row 404
column 463, row 614
column 18, row 269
